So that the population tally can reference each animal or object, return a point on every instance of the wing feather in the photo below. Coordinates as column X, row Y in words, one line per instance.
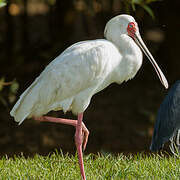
column 80, row 67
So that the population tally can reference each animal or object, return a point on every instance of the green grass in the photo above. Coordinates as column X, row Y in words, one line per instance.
column 97, row 167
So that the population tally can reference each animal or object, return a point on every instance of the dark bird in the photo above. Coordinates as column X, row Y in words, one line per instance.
column 167, row 126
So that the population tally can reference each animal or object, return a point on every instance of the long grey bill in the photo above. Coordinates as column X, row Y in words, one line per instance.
column 143, row 47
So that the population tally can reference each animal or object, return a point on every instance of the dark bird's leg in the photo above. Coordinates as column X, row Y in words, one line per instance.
column 175, row 143
column 81, row 134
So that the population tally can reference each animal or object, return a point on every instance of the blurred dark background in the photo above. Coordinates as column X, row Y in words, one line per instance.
column 120, row 118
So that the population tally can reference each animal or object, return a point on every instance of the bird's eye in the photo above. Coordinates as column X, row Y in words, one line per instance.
column 131, row 25
column 131, row 29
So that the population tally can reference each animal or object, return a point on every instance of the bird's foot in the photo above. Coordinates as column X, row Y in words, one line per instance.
column 85, row 135
column 85, row 131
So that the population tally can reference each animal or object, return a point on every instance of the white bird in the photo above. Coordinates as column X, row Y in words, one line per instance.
column 85, row 68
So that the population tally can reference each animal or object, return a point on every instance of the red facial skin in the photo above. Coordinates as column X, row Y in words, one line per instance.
column 131, row 29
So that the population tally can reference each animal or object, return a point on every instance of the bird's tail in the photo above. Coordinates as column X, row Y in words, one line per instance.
column 23, row 106
column 18, row 112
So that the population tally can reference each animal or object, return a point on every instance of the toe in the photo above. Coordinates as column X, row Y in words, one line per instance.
column 85, row 136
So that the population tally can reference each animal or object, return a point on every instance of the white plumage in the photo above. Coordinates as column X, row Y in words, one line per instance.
column 83, row 69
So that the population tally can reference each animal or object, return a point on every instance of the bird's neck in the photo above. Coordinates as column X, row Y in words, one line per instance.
column 131, row 58
column 127, row 46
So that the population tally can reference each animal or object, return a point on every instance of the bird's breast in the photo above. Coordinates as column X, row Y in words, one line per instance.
column 129, row 66
column 134, row 62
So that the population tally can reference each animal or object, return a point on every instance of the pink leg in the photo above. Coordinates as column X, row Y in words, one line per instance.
column 78, row 141
column 71, row 122
column 81, row 135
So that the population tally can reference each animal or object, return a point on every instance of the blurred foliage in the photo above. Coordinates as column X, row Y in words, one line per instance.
column 128, row 5
column 13, row 85
column 2, row 3
column 2, row 80
column 12, row 91
column 144, row 4
column 95, row 6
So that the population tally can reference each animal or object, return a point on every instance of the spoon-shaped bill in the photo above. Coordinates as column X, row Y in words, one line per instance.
column 143, row 47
